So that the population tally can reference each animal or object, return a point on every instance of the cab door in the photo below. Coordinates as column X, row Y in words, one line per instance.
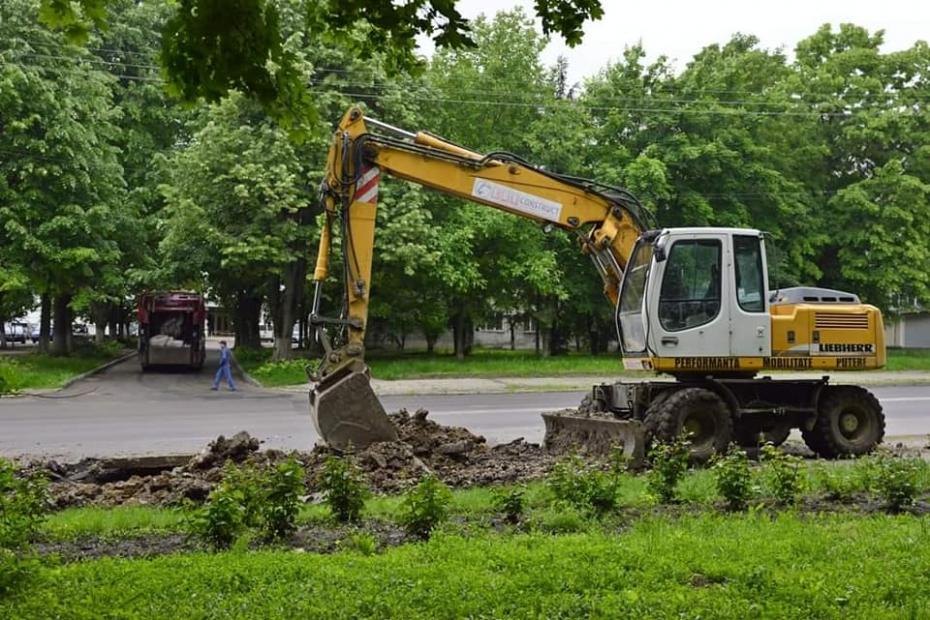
column 750, row 323
column 688, row 316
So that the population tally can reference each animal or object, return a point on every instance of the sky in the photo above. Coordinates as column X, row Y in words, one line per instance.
column 679, row 29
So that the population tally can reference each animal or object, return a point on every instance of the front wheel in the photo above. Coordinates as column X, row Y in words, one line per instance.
column 697, row 413
column 850, row 422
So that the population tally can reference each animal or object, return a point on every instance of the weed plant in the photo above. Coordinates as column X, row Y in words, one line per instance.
column 344, row 489
column 23, row 505
column 669, row 465
column 898, row 481
column 425, row 506
column 782, row 475
column 510, row 502
column 733, row 478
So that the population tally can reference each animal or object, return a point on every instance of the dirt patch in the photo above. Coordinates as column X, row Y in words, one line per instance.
column 457, row 456
column 94, row 547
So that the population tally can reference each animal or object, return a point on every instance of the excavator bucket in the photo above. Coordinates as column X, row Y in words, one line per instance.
column 346, row 412
column 568, row 431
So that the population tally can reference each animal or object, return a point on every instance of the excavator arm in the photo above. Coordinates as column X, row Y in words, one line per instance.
column 607, row 221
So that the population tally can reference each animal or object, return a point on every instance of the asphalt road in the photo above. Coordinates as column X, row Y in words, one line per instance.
column 126, row 412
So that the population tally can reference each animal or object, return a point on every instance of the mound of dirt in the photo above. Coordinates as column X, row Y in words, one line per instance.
column 457, row 456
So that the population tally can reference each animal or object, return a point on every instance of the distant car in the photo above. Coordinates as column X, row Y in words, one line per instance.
column 78, row 329
column 17, row 332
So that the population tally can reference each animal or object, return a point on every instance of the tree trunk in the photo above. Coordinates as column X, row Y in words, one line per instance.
column 430, row 343
column 246, row 316
column 101, row 314
column 45, row 323
column 513, row 334
column 284, row 299
column 2, row 335
column 458, row 334
column 61, row 345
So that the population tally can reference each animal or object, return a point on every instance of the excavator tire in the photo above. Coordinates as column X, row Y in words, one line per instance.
column 850, row 422
column 697, row 412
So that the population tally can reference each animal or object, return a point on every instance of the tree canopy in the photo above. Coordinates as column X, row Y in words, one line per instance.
column 108, row 184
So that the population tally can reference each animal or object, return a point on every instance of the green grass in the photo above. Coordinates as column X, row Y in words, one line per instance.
column 39, row 371
column 494, row 363
column 908, row 359
column 111, row 522
column 698, row 566
column 697, row 491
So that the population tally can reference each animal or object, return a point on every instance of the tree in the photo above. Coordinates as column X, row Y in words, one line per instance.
column 238, row 218
column 60, row 181
column 211, row 47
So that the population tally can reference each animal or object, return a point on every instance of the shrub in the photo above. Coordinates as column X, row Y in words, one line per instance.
column 511, row 503
column 782, row 474
column 281, row 499
column 841, row 484
column 231, row 509
column 10, row 379
column 344, row 489
column 425, row 506
column 574, row 482
column 733, row 478
column 23, row 505
column 669, row 464
column 898, row 481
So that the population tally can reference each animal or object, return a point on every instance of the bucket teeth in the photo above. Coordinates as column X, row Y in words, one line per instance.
column 593, row 435
column 346, row 412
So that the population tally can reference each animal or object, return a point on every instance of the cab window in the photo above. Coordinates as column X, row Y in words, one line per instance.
column 690, row 294
column 750, row 279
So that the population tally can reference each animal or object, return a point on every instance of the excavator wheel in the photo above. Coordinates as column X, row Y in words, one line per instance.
column 850, row 422
column 696, row 412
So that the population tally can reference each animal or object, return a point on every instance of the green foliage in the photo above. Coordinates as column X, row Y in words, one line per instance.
column 726, row 567
column 282, row 489
column 23, row 505
column 248, row 499
column 344, row 488
column 733, row 478
column 782, row 475
column 360, row 542
column 898, row 480
column 282, row 372
column 425, row 506
column 583, row 486
column 564, row 519
column 669, row 464
column 511, row 502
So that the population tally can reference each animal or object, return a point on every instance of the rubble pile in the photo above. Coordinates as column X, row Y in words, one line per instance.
column 454, row 454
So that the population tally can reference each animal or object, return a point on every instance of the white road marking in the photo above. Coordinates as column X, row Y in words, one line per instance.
column 498, row 410
column 904, row 399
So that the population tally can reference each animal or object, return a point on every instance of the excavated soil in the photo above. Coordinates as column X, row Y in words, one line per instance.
column 457, row 456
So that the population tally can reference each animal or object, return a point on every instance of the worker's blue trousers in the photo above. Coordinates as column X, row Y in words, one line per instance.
column 223, row 372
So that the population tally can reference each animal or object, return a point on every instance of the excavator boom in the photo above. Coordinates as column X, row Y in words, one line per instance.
column 607, row 221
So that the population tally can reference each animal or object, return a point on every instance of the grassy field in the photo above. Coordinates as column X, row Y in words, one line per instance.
column 38, row 371
column 497, row 363
column 704, row 565
column 820, row 558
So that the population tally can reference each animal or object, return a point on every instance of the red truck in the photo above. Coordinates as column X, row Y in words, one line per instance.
column 172, row 329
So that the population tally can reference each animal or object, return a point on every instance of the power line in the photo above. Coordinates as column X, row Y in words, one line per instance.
column 647, row 109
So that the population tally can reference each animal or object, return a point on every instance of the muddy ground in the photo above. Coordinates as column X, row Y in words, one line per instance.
column 457, row 456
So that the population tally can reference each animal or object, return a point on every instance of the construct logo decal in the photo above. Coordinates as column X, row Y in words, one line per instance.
column 515, row 200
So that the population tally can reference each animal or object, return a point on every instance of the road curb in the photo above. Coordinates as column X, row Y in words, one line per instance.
column 97, row 370
column 245, row 376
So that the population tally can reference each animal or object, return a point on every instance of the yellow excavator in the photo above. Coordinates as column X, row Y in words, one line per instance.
column 691, row 303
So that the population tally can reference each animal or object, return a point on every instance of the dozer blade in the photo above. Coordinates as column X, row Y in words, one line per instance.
column 346, row 412
column 595, row 435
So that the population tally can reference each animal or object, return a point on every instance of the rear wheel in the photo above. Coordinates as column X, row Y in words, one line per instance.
column 849, row 422
column 698, row 413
